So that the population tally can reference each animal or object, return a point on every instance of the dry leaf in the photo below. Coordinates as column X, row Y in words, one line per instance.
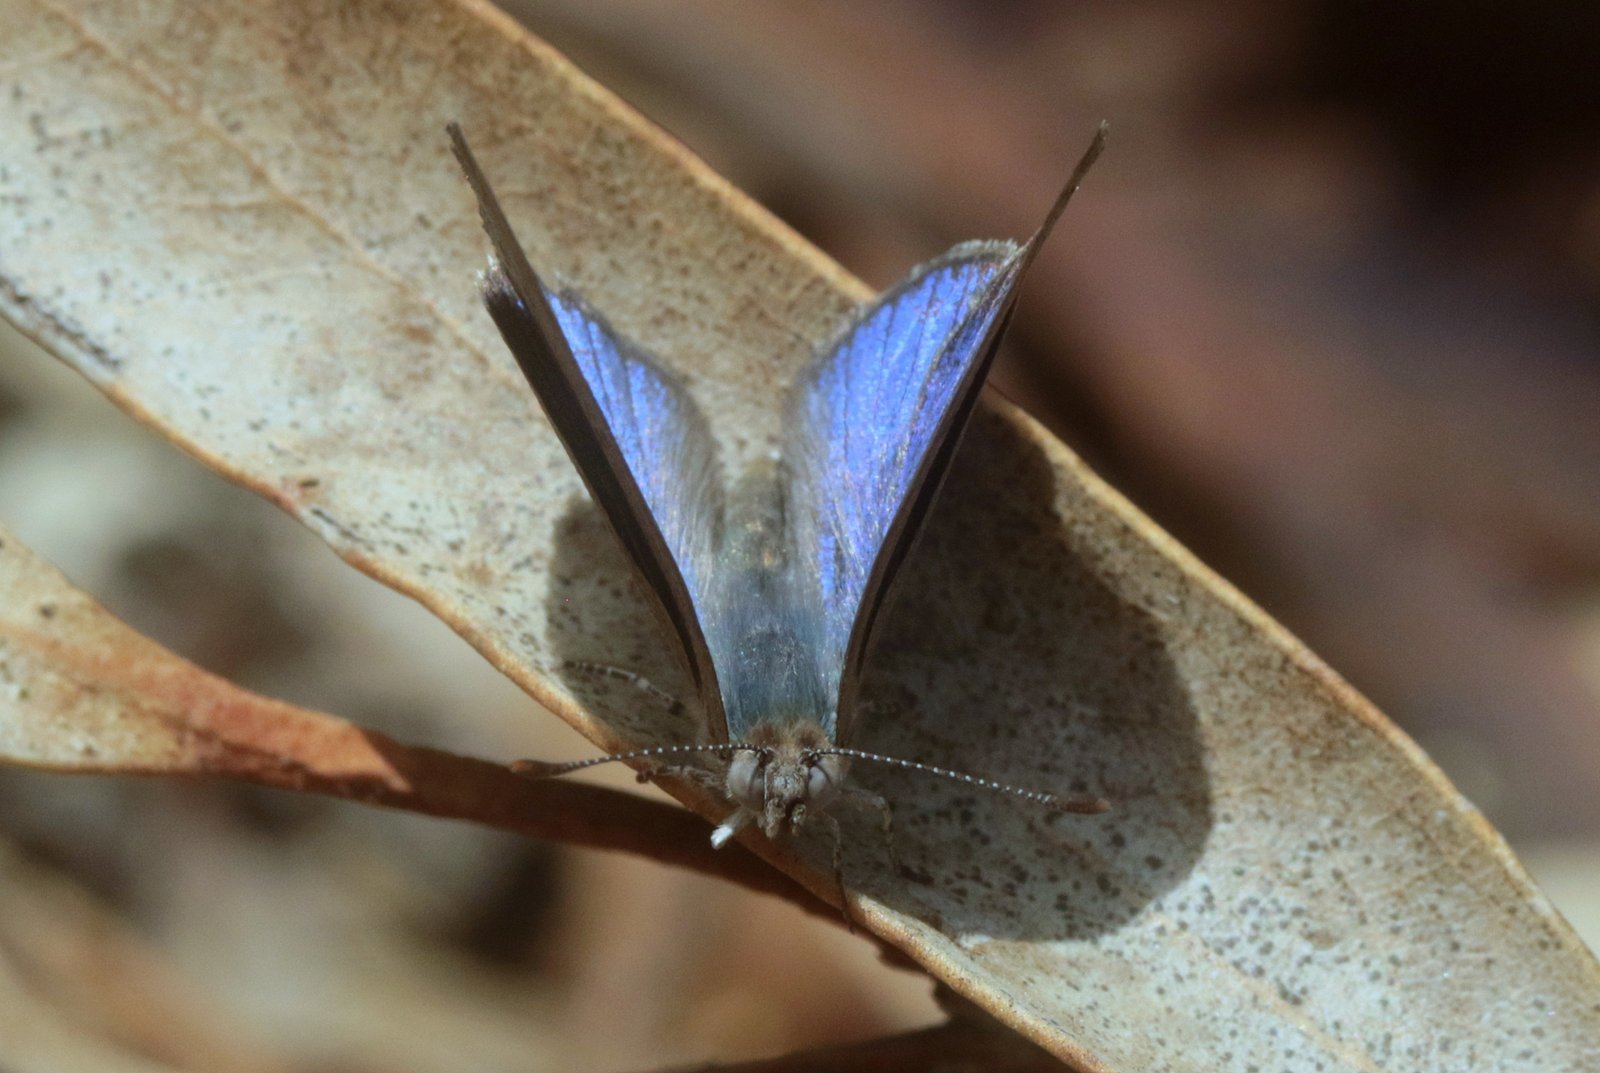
column 244, row 226
column 81, row 692
column 1354, row 494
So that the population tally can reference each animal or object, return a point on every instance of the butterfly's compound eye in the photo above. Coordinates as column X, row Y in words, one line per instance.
column 746, row 784
column 823, row 775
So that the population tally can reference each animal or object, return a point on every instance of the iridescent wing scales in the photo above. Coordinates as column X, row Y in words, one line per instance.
column 872, row 428
column 634, row 435
column 661, row 435
column 872, row 431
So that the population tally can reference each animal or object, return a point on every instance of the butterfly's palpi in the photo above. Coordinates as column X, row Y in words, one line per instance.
column 775, row 611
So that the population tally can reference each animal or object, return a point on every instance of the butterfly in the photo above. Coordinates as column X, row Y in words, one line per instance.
column 775, row 603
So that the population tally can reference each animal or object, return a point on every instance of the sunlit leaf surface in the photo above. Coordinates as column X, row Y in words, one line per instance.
column 243, row 224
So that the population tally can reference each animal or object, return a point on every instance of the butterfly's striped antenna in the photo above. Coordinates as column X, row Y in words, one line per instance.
column 1083, row 805
column 633, row 678
column 540, row 769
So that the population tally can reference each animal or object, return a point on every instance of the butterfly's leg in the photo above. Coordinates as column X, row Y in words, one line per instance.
column 633, row 678
column 800, row 817
column 860, row 798
column 708, row 781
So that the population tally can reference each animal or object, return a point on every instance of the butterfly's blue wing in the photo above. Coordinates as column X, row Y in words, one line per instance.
column 792, row 608
column 634, row 435
column 872, row 429
column 662, row 438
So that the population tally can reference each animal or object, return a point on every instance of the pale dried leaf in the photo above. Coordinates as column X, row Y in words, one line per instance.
column 243, row 224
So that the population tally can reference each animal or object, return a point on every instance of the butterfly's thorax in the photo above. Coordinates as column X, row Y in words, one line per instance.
column 763, row 627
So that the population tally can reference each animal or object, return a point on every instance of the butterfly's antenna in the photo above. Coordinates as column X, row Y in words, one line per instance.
column 1087, row 806
column 1090, row 155
column 539, row 769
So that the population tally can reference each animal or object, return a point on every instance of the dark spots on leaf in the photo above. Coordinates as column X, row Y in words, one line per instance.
column 417, row 333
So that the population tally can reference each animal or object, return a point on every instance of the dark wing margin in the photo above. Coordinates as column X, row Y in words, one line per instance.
column 634, row 435
column 875, row 424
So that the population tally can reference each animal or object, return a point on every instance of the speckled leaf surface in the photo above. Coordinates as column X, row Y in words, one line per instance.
column 242, row 222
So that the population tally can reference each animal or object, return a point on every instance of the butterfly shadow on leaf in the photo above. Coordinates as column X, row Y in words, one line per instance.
column 1004, row 654
column 1007, row 654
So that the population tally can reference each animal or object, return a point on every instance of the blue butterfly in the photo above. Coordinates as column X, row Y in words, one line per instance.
column 774, row 603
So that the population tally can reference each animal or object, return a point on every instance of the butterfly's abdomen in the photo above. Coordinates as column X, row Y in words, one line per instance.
column 764, row 636
column 775, row 679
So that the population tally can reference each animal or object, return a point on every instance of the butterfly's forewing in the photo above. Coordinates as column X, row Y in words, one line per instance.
column 634, row 435
column 872, row 428
column 660, row 434
column 874, row 425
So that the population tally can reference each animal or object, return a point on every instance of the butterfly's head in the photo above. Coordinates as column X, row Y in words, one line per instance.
column 782, row 778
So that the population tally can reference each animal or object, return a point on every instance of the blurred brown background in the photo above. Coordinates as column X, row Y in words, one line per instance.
column 1326, row 309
